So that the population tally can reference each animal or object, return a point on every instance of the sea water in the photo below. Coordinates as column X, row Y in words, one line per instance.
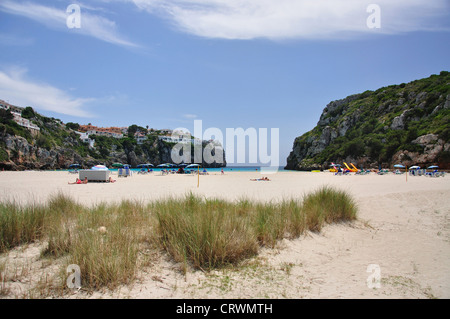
column 212, row 170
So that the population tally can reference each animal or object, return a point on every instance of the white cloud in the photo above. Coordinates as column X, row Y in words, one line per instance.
column 190, row 116
column 91, row 25
column 23, row 92
column 14, row 40
column 284, row 19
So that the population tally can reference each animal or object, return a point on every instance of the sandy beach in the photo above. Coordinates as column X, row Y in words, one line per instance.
column 403, row 228
column 36, row 186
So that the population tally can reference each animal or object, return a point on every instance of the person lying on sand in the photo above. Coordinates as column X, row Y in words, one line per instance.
column 79, row 181
column 111, row 180
column 260, row 179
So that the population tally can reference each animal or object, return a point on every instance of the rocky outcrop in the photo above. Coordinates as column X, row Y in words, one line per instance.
column 433, row 148
column 407, row 123
column 22, row 155
column 334, row 109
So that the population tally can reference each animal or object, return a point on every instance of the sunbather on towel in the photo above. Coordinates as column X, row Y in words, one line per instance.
column 260, row 179
column 79, row 181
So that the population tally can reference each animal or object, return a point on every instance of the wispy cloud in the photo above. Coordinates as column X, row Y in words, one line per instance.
column 190, row 116
column 13, row 40
column 284, row 19
column 92, row 25
column 15, row 87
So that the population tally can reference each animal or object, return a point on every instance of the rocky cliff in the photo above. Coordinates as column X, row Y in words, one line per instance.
column 406, row 123
column 56, row 147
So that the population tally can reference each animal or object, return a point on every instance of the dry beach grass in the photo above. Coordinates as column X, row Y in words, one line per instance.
column 105, row 240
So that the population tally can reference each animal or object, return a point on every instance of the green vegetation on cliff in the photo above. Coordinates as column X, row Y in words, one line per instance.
column 374, row 127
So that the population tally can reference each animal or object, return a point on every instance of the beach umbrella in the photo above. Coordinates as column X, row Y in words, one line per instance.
column 414, row 167
column 145, row 165
column 74, row 165
column 167, row 165
column 117, row 165
column 99, row 168
column 433, row 166
column 399, row 166
column 193, row 165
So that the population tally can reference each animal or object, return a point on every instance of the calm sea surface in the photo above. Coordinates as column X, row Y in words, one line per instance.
column 225, row 169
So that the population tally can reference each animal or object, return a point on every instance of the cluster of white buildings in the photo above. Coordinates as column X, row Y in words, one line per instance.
column 116, row 132
column 140, row 137
column 17, row 113
column 87, row 130
column 84, row 137
column 181, row 139
column 105, row 133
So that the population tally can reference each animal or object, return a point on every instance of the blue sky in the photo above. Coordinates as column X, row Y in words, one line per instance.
column 236, row 63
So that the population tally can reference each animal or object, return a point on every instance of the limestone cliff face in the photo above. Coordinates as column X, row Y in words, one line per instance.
column 432, row 147
column 407, row 123
column 20, row 154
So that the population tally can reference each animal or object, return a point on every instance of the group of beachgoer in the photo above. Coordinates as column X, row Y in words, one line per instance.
column 180, row 171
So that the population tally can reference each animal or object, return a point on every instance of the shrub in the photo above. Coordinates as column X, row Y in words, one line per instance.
column 5, row 116
column 73, row 126
column 3, row 154
column 43, row 142
column 28, row 112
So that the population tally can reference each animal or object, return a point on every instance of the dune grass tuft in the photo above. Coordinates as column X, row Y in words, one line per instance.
column 207, row 233
column 20, row 225
column 213, row 233
column 328, row 205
